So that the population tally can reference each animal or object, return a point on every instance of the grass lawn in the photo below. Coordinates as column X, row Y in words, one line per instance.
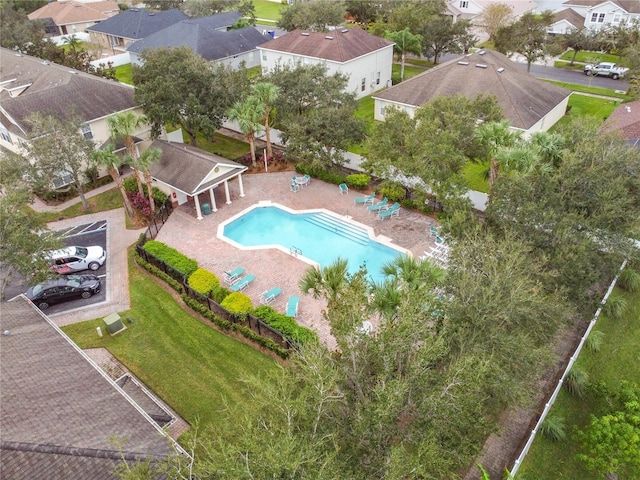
column 409, row 71
column 266, row 10
column 227, row 147
column 194, row 368
column 606, row 92
column 103, row 202
column 617, row 360
column 583, row 105
column 475, row 175
column 592, row 57
column 123, row 73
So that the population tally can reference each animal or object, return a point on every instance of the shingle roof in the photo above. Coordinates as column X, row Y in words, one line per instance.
column 340, row 45
column 184, row 167
column 57, row 90
column 203, row 39
column 523, row 98
column 137, row 23
column 626, row 120
column 571, row 16
column 58, row 412
column 631, row 6
column 68, row 12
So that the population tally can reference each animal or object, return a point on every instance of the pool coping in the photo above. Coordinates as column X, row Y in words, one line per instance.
column 381, row 239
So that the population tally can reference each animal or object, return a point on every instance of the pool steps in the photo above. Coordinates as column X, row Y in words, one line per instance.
column 340, row 227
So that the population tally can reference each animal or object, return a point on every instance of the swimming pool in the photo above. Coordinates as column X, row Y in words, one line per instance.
column 315, row 236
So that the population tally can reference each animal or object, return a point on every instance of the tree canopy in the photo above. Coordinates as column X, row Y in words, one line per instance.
column 316, row 15
column 527, row 36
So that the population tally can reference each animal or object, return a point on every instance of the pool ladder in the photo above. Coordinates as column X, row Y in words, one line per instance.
column 295, row 251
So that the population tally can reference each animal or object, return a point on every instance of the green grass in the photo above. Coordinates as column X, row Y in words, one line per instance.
column 409, row 71
column 606, row 92
column 266, row 10
column 227, row 147
column 583, row 105
column 475, row 176
column 592, row 57
column 103, row 202
column 616, row 361
column 124, row 73
column 197, row 370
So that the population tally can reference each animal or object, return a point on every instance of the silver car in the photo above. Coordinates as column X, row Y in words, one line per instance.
column 75, row 259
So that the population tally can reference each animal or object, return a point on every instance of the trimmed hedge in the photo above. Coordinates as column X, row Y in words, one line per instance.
column 153, row 270
column 359, row 181
column 171, row 257
column 325, row 176
column 394, row 191
column 285, row 325
column 237, row 302
column 203, row 281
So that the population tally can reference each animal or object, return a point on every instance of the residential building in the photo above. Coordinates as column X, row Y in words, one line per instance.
column 364, row 58
column 625, row 120
column 565, row 21
column 66, row 17
column 473, row 9
column 599, row 14
column 530, row 105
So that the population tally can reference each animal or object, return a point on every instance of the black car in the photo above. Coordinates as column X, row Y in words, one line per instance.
column 63, row 289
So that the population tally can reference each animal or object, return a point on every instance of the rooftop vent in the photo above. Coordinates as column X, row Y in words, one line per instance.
column 628, row 109
column 73, row 72
column 463, row 63
column 133, row 9
column 501, row 69
column 44, row 63
column 329, row 37
column 304, row 34
column 481, row 52
column 481, row 65
column 346, row 30
column 151, row 14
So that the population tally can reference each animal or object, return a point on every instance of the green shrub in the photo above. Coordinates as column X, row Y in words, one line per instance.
column 130, row 184
column 629, row 280
column 220, row 293
column 237, row 302
column 177, row 286
column 171, row 257
column 91, row 174
column 203, row 281
column 615, row 307
column 576, row 381
column 553, row 428
column 594, row 340
column 394, row 191
column 324, row 175
column 359, row 181
column 159, row 197
column 285, row 325
column 205, row 312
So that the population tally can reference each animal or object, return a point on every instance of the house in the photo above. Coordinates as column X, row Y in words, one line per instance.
column 530, row 105
column 473, row 9
column 565, row 21
column 626, row 121
column 67, row 17
column 30, row 85
column 118, row 32
column 364, row 58
column 598, row 14
column 185, row 172
column 208, row 37
column 60, row 414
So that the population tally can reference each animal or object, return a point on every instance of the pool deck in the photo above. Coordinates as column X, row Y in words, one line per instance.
column 198, row 238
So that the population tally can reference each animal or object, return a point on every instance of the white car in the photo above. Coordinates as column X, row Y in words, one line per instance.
column 76, row 259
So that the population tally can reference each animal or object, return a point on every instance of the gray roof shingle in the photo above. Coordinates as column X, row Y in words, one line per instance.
column 57, row 90
column 523, row 98
column 137, row 23
column 58, row 412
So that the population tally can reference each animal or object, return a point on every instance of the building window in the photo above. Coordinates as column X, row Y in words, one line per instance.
column 597, row 17
column 86, row 131
column 464, row 4
column 378, row 78
column 616, row 18
column 264, row 56
column 382, row 110
column 4, row 133
column 363, row 84
column 62, row 179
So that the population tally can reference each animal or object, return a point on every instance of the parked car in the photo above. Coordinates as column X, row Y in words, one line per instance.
column 76, row 259
column 63, row 289
column 606, row 69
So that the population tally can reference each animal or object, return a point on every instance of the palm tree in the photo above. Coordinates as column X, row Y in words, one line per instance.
column 550, row 145
column 405, row 42
column 109, row 159
column 266, row 94
column 411, row 274
column 248, row 114
column 325, row 282
column 494, row 136
column 148, row 158
column 122, row 127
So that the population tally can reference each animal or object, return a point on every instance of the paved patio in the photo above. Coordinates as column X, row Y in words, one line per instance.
column 198, row 238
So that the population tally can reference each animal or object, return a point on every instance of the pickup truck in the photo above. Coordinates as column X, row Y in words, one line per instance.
column 606, row 69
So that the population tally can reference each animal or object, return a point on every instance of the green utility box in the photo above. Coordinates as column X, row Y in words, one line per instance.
column 114, row 323
column 206, row 208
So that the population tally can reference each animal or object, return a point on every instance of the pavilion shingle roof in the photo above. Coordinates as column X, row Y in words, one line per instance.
column 341, row 45
column 57, row 90
column 58, row 412
column 523, row 98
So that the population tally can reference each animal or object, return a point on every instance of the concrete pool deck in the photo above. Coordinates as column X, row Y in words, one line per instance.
column 198, row 238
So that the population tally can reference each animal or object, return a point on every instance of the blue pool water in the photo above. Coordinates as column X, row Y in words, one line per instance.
column 321, row 237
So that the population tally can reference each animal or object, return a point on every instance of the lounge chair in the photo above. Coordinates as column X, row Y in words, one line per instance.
column 294, row 187
column 365, row 200
column 378, row 206
column 270, row 295
column 292, row 306
column 393, row 210
column 242, row 283
column 233, row 276
column 343, row 188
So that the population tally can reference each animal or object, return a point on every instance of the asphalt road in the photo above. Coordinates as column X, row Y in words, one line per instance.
column 575, row 76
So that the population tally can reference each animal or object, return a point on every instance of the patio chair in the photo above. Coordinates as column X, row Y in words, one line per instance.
column 242, row 283
column 365, row 200
column 433, row 230
column 232, row 276
column 270, row 295
column 294, row 187
column 378, row 206
column 292, row 306
column 307, row 178
column 392, row 211
column 343, row 188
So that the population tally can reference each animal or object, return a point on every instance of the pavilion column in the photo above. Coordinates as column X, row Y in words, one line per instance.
column 198, row 211
column 240, row 185
column 213, row 200
column 226, row 192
